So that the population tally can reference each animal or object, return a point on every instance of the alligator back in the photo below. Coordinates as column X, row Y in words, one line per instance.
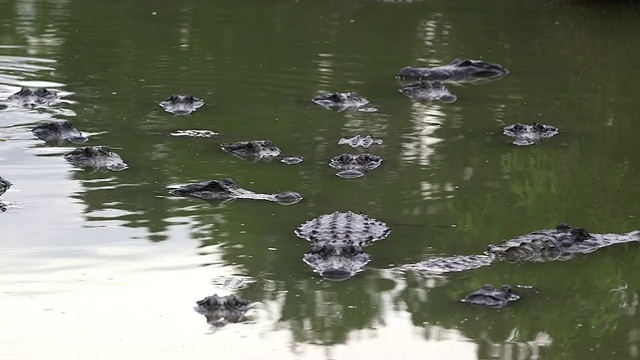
column 343, row 228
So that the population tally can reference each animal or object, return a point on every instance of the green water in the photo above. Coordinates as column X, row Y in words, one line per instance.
column 109, row 265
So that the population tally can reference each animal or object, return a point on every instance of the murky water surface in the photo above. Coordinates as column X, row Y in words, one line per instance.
column 108, row 265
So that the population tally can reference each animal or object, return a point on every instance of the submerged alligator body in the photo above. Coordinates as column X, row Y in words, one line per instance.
column 32, row 98
column 343, row 101
column 489, row 296
column 98, row 157
column 59, row 131
column 338, row 240
column 529, row 134
column 562, row 243
column 222, row 310
column 228, row 190
column 428, row 91
column 181, row 104
column 458, row 71
column 354, row 166
column 359, row 140
column 259, row 150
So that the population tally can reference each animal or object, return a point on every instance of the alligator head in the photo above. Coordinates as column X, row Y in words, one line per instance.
column 257, row 148
column 181, row 104
column 221, row 310
column 428, row 91
column 99, row 157
column 34, row 97
column 489, row 296
column 529, row 134
column 209, row 190
column 336, row 262
column 342, row 101
column 458, row 71
column 354, row 166
column 59, row 131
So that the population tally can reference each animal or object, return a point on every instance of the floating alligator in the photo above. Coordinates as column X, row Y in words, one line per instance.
column 221, row 310
column 489, row 296
column 98, row 157
column 228, row 190
column 194, row 133
column 338, row 240
column 181, row 104
column 561, row 243
column 259, row 150
column 59, row 131
column 428, row 91
column 4, row 186
column 32, row 98
column 354, row 166
column 529, row 134
column 358, row 140
column 458, row 71
column 343, row 101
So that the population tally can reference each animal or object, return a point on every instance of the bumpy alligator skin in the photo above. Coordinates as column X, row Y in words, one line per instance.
column 428, row 91
column 338, row 240
column 359, row 140
column 98, row 157
column 343, row 101
column 59, row 131
column 562, row 243
column 227, row 189
column 181, row 104
column 529, row 134
column 222, row 310
column 443, row 265
column 458, row 71
column 34, row 97
column 354, row 166
column 489, row 296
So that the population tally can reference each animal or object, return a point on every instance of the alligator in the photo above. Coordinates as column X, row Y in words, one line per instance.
column 227, row 190
column 354, row 166
column 458, row 71
column 489, row 296
column 428, row 91
column 343, row 101
column 358, row 140
column 59, row 131
column 32, row 98
column 98, row 157
column 259, row 150
column 194, row 133
column 222, row 310
column 338, row 240
column 562, row 243
column 529, row 134
column 181, row 104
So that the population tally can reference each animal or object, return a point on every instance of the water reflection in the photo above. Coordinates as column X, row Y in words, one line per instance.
column 97, row 248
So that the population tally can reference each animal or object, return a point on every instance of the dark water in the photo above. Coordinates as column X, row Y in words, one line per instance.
column 109, row 265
